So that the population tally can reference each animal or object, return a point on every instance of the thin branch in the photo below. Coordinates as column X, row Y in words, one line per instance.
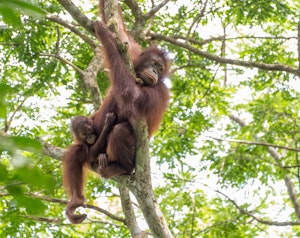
column 221, row 38
column 297, row 164
column 57, row 44
column 59, row 221
column 43, row 219
column 91, row 221
column 223, row 223
column 112, row 216
column 193, row 222
column 140, row 19
column 65, row 61
column 223, row 53
column 221, row 60
column 155, row 9
column 137, row 12
column 10, row 44
column 260, row 220
column 188, row 65
column 84, row 37
column 89, row 75
column 196, row 19
column 237, row 120
column 60, row 201
column 8, row 123
column 254, row 143
column 288, row 181
column 291, row 167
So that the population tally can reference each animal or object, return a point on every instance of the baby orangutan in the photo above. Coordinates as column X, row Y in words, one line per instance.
column 88, row 150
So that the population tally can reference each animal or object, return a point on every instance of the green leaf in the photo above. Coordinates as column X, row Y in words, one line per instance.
column 9, row 15
column 10, row 11
column 32, row 205
column 13, row 143
column 3, row 173
column 33, row 177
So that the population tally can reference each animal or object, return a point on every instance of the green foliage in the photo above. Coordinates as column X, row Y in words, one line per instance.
column 10, row 10
column 257, row 11
column 199, row 148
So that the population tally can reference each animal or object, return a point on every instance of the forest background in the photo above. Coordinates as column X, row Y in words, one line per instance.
column 225, row 162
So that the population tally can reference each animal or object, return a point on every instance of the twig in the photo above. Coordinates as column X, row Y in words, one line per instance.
column 260, row 220
column 8, row 123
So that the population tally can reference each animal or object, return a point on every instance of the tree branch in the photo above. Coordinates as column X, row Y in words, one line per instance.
column 130, row 219
column 90, row 77
column 140, row 185
column 288, row 181
column 221, row 60
column 221, row 38
column 140, row 19
column 84, row 37
column 155, row 9
column 8, row 123
column 43, row 219
column 197, row 19
column 112, row 216
column 254, row 143
column 136, row 11
column 52, row 151
column 260, row 220
column 77, row 15
column 65, row 61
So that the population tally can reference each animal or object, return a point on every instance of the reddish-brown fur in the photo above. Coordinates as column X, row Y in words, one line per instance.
column 130, row 103
column 134, row 48
column 77, row 156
